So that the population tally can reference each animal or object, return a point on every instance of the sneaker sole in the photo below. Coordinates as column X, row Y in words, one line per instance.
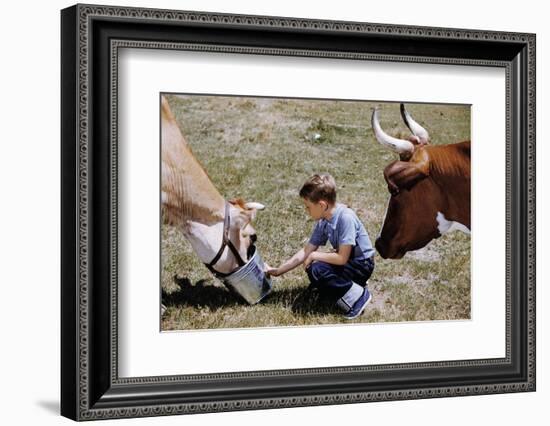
column 362, row 309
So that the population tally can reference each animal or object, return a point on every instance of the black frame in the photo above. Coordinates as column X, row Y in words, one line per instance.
column 90, row 386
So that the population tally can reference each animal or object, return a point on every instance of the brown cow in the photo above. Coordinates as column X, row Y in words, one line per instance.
column 192, row 203
column 429, row 187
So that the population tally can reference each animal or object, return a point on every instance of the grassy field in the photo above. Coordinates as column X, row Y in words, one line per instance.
column 262, row 150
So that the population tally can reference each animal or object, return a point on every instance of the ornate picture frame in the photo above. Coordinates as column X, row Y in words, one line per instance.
column 91, row 39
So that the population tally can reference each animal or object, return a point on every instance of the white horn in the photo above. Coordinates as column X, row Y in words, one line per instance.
column 398, row 145
column 420, row 132
column 253, row 205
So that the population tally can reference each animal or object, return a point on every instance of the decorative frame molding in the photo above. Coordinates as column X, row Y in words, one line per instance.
column 91, row 37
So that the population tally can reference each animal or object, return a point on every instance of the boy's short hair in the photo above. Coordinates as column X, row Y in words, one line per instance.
column 319, row 187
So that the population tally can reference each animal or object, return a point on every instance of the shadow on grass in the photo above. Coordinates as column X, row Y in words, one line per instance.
column 301, row 301
column 199, row 295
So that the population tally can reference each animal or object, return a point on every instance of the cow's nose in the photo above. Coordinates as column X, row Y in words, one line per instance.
column 253, row 238
column 380, row 247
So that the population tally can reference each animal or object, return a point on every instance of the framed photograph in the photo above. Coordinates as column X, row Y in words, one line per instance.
column 263, row 212
column 264, row 149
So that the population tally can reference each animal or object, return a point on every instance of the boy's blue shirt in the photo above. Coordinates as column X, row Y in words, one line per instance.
column 344, row 227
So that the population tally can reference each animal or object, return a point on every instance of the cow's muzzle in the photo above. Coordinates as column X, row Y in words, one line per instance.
column 386, row 251
column 380, row 248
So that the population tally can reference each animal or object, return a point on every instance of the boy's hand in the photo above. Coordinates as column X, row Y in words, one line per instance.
column 274, row 272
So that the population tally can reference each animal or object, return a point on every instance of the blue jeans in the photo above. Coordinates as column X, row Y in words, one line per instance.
column 335, row 280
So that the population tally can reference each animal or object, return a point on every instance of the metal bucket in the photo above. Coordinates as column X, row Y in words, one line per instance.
column 250, row 280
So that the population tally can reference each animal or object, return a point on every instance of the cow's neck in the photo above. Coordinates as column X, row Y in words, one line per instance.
column 201, row 219
column 187, row 191
column 450, row 170
column 457, row 205
column 188, row 195
column 190, row 200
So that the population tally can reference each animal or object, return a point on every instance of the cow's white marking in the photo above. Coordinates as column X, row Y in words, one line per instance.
column 206, row 240
column 444, row 225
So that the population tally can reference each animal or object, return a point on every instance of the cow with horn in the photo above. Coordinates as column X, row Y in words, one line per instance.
column 429, row 187
column 219, row 231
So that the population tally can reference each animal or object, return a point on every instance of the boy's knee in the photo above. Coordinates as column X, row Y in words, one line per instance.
column 309, row 272
column 318, row 270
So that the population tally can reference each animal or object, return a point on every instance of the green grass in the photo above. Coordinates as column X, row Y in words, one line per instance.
column 262, row 150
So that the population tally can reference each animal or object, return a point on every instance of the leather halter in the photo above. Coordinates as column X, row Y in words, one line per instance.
column 225, row 242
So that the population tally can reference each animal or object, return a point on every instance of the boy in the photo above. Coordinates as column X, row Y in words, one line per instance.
column 342, row 274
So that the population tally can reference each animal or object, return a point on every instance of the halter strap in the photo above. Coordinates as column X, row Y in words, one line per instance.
column 225, row 242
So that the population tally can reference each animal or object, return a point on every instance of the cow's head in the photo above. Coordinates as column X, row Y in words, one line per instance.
column 410, row 222
column 241, row 232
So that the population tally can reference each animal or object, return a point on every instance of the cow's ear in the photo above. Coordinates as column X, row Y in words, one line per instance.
column 254, row 206
column 252, row 209
column 404, row 174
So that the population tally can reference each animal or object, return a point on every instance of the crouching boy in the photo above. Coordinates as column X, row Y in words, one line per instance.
column 343, row 274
